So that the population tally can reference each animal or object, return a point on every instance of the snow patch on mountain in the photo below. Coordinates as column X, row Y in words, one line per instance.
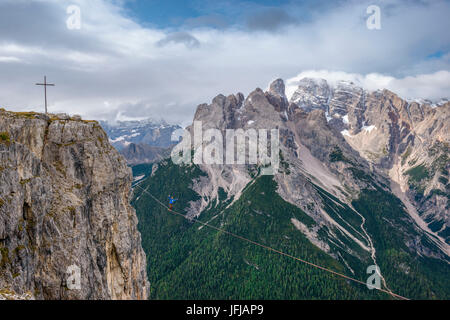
column 346, row 133
column 369, row 128
column 345, row 119
column 148, row 132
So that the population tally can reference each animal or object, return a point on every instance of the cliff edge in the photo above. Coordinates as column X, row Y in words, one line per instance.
column 67, row 230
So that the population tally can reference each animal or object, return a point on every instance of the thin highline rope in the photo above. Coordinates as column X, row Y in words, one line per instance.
column 267, row 247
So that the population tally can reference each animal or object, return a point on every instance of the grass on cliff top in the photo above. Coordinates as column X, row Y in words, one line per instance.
column 52, row 117
column 29, row 115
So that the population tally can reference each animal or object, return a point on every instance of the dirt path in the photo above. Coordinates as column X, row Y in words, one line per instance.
column 373, row 251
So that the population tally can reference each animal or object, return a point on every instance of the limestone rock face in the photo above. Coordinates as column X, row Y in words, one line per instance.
column 342, row 138
column 64, row 206
column 312, row 94
column 407, row 140
column 306, row 141
column 277, row 97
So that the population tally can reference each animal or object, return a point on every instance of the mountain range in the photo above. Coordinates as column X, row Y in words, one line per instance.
column 363, row 180
column 141, row 141
column 150, row 132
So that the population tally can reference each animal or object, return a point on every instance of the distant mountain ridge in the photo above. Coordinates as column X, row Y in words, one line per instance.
column 150, row 132
column 144, row 153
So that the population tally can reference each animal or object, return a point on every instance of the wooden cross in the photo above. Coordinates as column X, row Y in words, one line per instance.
column 45, row 84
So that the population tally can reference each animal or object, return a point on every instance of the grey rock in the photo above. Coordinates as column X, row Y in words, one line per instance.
column 65, row 201
column 312, row 94
column 277, row 96
column 62, row 116
column 379, row 131
column 143, row 153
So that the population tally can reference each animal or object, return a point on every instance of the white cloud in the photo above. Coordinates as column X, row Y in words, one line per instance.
column 9, row 59
column 113, row 58
column 429, row 86
column 432, row 86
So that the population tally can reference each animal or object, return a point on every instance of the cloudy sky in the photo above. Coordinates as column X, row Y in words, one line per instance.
column 161, row 58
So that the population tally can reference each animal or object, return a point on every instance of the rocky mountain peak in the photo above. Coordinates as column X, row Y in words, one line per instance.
column 219, row 100
column 312, row 94
column 356, row 177
column 277, row 88
column 277, row 96
column 255, row 98
column 374, row 131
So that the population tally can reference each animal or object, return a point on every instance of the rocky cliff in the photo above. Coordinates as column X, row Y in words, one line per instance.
column 332, row 200
column 344, row 140
column 64, row 206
